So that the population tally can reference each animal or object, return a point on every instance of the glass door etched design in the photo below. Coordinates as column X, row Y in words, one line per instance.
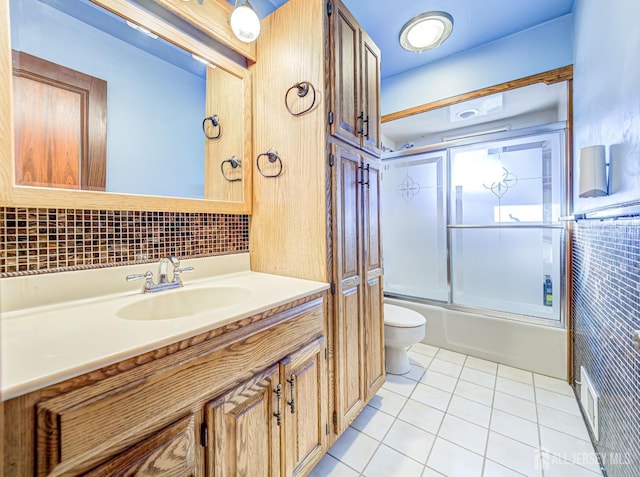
column 506, row 243
column 413, row 203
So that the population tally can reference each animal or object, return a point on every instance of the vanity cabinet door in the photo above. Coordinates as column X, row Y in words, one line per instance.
column 355, row 82
column 169, row 452
column 243, row 428
column 373, row 318
column 305, row 439
column 359, row 327
column 345, row 85
column 349, row 328
column 370, row 81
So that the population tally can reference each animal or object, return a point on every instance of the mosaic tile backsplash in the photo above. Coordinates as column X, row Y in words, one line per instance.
column 50, row 240
column 606, row 304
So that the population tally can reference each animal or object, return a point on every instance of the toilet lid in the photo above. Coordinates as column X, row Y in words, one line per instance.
column 402, row 317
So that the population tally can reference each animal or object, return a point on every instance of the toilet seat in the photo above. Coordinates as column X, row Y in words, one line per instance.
column 402, row 317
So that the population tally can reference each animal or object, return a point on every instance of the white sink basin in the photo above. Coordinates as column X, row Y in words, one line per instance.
column 184, row 302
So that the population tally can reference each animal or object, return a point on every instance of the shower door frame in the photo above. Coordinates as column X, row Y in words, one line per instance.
column 560, row 127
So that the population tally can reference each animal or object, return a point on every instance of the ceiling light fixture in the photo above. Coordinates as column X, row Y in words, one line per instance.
column 426, row 31
column 245, row 22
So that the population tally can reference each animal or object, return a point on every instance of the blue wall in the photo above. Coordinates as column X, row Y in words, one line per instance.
column 538, row 49
column 607, row 94
column 606, row 262
column 163, row 158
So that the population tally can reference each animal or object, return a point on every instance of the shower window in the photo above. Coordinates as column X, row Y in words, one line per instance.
column 484, row 235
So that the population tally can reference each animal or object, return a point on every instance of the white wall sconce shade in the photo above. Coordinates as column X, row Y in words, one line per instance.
column 245, row 23
column 426, row 31
column 593, row 172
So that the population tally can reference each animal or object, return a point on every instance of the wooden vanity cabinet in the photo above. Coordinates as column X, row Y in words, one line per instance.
column 275, row 423
column 355, row 88
column 243, row 429
column 170, row 452
column 205, row 406
column 306, row 424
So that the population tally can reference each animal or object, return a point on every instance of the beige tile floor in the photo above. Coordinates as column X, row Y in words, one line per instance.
column 455, row 415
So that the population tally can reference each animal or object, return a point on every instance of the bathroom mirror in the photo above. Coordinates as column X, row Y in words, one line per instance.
column 142, row 133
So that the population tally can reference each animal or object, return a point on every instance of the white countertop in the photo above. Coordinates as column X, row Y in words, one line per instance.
column 54, row 341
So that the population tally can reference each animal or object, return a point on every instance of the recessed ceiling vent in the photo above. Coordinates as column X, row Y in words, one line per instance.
column 467, row 113
column 475, row 107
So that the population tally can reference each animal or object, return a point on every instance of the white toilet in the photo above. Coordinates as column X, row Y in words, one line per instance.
column 402, row 328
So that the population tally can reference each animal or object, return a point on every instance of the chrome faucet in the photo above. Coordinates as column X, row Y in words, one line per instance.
column 163, row 282
column 164, row 265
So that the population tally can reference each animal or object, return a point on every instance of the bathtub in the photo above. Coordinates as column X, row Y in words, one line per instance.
column 536, row 348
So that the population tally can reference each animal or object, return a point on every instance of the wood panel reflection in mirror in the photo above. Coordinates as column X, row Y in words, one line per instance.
column 60, row 125
column 157, row 95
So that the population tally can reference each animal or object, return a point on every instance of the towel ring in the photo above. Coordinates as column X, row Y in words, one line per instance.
column 302, row 89
column 215, row 123
column 234, row 162
column 273, row 157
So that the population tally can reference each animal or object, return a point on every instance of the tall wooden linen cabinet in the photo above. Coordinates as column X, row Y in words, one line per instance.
column 319, row 219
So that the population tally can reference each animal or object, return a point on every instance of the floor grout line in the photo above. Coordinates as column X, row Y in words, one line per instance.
column 475, row 387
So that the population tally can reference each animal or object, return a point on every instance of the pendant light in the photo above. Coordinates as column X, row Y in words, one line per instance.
column 245, row 23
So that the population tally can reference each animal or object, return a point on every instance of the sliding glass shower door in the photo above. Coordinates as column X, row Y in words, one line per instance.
column 413, row 208
column 506, row 241
column 477, row 225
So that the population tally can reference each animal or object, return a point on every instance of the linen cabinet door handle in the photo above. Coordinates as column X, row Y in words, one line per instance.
column 367, row 168
column 278, row 414
column 360, row 120
column 362, row 168
column 292, row 403
column 367, row 122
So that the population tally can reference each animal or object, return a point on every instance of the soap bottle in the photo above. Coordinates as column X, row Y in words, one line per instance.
column 547, row 291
